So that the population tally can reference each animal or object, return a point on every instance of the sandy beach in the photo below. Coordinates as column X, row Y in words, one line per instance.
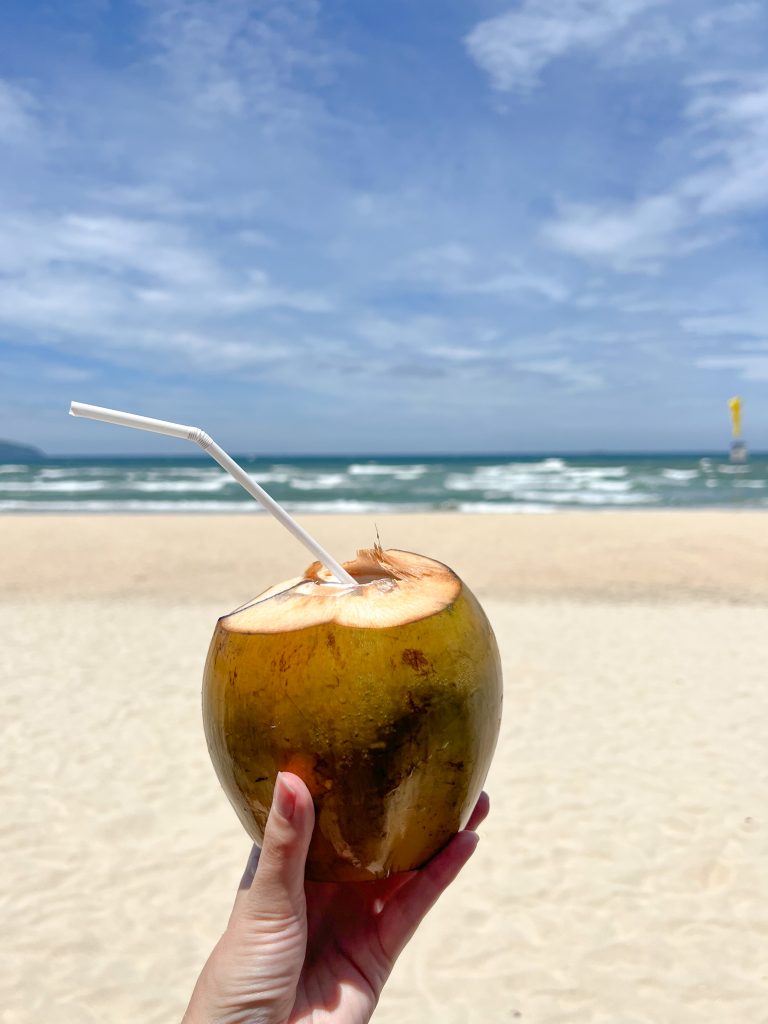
column 622, row 876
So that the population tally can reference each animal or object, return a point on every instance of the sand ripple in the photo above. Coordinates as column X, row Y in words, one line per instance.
column 622, row 877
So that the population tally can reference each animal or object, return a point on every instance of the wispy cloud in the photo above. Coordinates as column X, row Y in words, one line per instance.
column 136, row 286
column 728, row 118
column 750, row 324
column 637, row 236
column 454, row 269
column 513, row 283
column 68, row 374
column 726, row 14
column 233, row 58
column 514, row 48
column 672, row 33
column 575, row 375
column 18, row 122
column 751, row 366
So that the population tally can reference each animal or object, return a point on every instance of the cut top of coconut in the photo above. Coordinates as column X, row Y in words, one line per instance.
column 393, row 588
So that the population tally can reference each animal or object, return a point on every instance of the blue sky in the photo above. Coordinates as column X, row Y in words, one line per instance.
column 351, row 227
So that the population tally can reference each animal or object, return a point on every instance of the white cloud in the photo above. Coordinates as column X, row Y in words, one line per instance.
column 727, row 14
column 513, row 283
column 413, row 333
column 18, row 121
column 454, row 269
column 131, row 285
column 664, row 36
column 635, row 236
column 111, row 244
column 732, row 118
column 154, row 261
column 729, row 118
column 659, row 37
column 745, row 324
column 151, row 249
column 460, row 354
column 573, row 375
column 255, row 238
column 148, row 198
column 234, row 57
column 260, row 292
column 438, row 262
column 750, row 366
column 478, row 351
column 514, row 48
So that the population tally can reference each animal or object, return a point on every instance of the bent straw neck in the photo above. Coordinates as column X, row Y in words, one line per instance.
column 204, row 441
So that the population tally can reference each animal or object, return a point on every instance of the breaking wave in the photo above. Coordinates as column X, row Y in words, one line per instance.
column 358, row 485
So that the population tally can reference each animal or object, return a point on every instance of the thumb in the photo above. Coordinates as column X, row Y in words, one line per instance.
column 278, row 885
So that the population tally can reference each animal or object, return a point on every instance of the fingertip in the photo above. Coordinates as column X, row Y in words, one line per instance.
column 284, row 798
column 292, row 798
column 464, row 844
column 480, row 812
column 446, row 865
column 292, row 814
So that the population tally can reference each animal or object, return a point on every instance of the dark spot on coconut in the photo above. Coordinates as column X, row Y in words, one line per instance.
column 417, row 660
column 331, row 642
column 323, row 768
column 399, row 747
column 458, row 766
column 420, row 705
column 391, row 754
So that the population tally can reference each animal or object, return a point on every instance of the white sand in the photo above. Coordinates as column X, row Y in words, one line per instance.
column 622, row 877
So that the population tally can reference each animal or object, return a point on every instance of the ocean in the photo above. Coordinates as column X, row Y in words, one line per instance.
column 401, row 483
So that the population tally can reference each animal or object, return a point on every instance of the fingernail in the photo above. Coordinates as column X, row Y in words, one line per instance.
column 285, row 798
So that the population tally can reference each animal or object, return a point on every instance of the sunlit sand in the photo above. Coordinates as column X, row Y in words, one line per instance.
column 622, row 875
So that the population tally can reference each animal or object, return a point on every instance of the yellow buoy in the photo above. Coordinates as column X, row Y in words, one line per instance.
column 738, row 447
column 735, row 407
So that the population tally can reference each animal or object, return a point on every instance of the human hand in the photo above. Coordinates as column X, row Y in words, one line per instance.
column 296, row 950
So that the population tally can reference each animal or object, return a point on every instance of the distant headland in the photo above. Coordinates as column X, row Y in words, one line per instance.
column 12, row 452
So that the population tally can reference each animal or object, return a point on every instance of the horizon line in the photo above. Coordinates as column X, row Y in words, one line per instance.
column 542, row 453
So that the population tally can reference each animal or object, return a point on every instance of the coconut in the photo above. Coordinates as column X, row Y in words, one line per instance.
column 384, row 697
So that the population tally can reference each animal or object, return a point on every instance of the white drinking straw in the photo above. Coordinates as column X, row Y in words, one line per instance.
column 129, row 419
